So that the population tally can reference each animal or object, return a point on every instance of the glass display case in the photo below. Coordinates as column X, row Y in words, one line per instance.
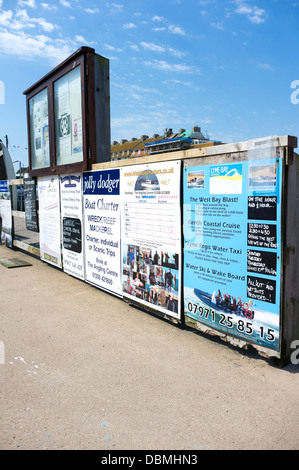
column 68, row 115
column 39, row 130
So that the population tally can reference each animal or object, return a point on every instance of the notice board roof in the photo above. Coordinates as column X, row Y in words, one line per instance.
column 67, row 61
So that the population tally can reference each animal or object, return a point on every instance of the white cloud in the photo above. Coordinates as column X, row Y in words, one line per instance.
column 152, row 47
column 112, row 48
column 176, row 53
column 91, row 11
column 168, row 67
column 254, row 14
column 134, row 47
column 176, row 30
column 129, row 26
column 174, row 81
column 266, row 67
column 65, row 3
column 218, row 26
column 27, row 3
column 21, row 20
column 29, row 37
column 5, row 17
column 117, row 6
column 158, row 18
column 35, row 47
column 47, row 6
column 206, row 2
column 80, row 38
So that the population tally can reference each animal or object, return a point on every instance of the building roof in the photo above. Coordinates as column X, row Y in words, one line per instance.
column 146, row 145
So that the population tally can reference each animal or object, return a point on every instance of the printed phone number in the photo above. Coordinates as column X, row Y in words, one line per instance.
column 226, row 320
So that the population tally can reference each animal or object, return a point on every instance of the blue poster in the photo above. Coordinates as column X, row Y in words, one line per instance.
column 5, row 214
column 232, row 247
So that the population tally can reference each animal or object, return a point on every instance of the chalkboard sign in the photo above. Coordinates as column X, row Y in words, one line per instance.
column 262, row 262
column 72, row 239
column 262, row 235
column 30, row 202
column 262, row 207
column 261, row 289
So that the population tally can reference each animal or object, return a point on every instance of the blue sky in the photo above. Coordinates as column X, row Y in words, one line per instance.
column 226, row 66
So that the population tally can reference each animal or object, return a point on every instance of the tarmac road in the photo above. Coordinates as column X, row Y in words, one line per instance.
column 85, row 370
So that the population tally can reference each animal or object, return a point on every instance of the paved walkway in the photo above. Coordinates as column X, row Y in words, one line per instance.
column 84, row 370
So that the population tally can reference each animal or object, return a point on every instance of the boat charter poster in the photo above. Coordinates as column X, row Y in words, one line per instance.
column 232, row 248
column 151, row 236
column 102, row 229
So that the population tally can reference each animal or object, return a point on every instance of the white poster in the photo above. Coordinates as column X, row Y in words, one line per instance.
column 39, row 129
column 5, row 214
column 68, row 118
column 101, row 203
column 151, row 235
column 72, row 226
column 49, row 219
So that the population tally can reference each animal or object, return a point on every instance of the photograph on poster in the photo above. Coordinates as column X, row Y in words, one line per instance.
column 151, row 275
column 196, row 179
column 262, row 176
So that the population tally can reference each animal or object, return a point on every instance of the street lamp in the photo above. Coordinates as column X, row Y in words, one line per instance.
column 20, row 188
column 18, row 161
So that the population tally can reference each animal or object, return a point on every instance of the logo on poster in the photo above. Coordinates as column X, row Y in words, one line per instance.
column 98, row 182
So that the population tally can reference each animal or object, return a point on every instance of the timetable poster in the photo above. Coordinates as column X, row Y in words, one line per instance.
column 5, row 213
column 72, row 226
column 49, row 219
column 101, row 205
column 232, row 246
column 151, row 235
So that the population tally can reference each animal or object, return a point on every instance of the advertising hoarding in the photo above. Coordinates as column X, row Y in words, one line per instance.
column 5, row 213
column 72, row 224
column 151, row 235
column 232, row 246
column 30, row 202
column 49, row 220
column 101, row 203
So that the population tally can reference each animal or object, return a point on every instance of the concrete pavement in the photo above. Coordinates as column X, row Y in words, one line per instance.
column 85, row 370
